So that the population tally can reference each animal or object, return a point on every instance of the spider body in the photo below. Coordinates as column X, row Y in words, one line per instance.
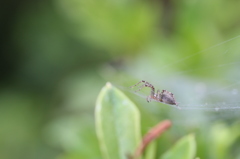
column 164, row 97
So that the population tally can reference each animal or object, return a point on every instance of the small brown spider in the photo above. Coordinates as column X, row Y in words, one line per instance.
column 164, row 97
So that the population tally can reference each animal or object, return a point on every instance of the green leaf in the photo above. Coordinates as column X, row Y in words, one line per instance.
column 151, row 151
column 222, row 138
column 117, row 123
column 185, row 148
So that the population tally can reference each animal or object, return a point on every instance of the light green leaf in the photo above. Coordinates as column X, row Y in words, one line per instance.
column 117, row 123
column 185, row 148
column 151, row 151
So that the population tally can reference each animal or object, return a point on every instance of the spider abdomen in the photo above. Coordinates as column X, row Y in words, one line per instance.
column 168, row 97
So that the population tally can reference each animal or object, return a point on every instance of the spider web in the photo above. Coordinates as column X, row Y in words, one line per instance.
column 218, row 92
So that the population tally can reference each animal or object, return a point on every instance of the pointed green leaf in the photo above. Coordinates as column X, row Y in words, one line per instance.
column 117, row 123
column 185, row 148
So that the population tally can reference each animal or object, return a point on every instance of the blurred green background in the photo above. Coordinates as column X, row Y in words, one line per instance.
column 56, row 56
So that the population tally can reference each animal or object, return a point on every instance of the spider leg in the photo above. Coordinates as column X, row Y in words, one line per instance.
column 152, row 89
column 159, row 95
column 149, row 99
column 141, row 87
column 142, row 81
column 146, row 84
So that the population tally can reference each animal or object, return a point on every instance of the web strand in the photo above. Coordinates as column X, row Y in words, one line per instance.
column 209, row 100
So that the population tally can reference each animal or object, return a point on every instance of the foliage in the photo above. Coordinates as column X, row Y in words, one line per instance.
column 56, row 55
column 184, row 148
column 117, row 125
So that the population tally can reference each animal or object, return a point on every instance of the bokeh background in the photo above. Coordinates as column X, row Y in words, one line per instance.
column 56, row 55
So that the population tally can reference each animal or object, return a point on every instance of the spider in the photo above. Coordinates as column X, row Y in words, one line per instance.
column 164, row 97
